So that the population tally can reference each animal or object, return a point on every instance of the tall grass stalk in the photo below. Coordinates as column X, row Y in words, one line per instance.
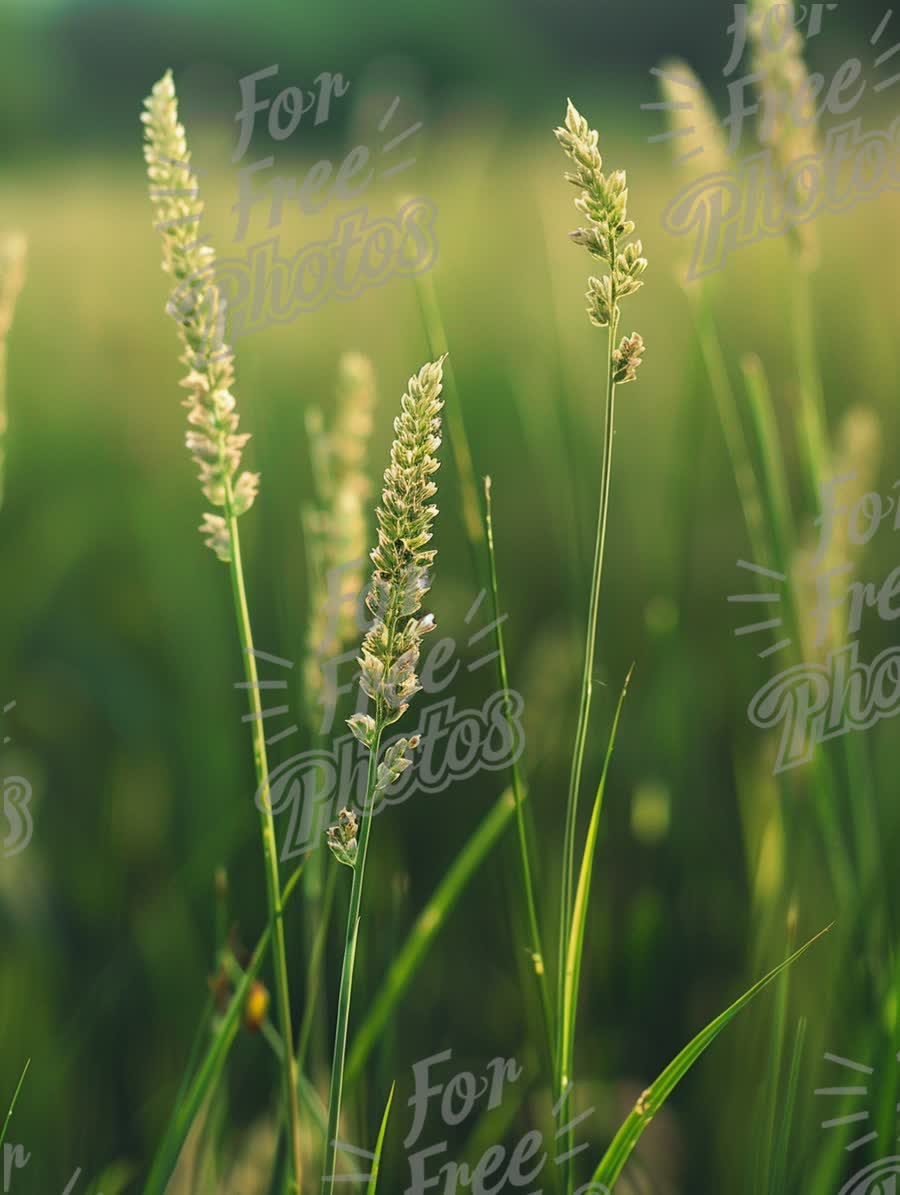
column 575, row 945
column 390, row 653
column 603, row 202
column 216, row 447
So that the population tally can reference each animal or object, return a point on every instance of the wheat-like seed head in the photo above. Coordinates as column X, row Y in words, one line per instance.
column 199, row 310
column 12, row 278
column 390, row 649
column 338, row 530
column 603, row 200
column 787, row 121
column 695, row 125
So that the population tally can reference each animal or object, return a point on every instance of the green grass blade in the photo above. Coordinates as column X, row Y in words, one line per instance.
column 658, row 1092
column 12, row 1104
column 210, row 1069
column 779, row 1159
column 776, row 502
column 428, row 925
column 766, row 1151
column 730, row 420
column 379, row 1144
column 575, row 949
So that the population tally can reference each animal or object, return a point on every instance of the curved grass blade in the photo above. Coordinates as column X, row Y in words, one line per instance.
column 426, row 928
column 613, row 1161
column 12, row 1104
column 575, row 949
column 210, row 1069
column 379, row 1144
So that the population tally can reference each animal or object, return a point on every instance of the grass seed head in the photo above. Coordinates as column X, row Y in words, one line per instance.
column 604, row 203
column 199, row 310
column 338, row 530
column 787, row 119
column 402, row 559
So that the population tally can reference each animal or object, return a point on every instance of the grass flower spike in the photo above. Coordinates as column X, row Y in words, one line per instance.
column 603, row 200
column 216, row 445
column 606, row 236
column 695, row 125
column 787, row 119
column 390, row 653
column 337, row 530
column 199, row 310
column 402, row 561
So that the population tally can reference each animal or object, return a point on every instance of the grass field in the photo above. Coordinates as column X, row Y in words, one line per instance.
column 117, row 644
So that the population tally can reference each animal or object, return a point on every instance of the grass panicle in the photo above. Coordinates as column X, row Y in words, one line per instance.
column 390, row 651
column 337, row 529
column 702, row 148
column 607, row 238
column 216, row 446
column 199, row 310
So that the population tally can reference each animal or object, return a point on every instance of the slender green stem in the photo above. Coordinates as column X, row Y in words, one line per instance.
column 537, row 949
column 329, row 1170
column 575, row 947
column 811, row 428
column 566, row 895
column 13, row 1101
column 270, row 850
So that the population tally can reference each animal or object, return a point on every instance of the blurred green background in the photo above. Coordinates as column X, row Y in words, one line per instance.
column 117, row 639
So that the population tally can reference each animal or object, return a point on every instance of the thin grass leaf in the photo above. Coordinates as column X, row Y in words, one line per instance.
column 730, row 419
column 575, row 949
column 210, row 1069
column 12, row 1104
column 776, row 502
column 766, row 1152
column 779, row 1158
column 658, row 1092
column 379, row 1144
column 810, row 410
column 427, row 926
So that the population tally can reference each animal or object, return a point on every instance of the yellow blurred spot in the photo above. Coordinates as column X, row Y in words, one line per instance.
column 650, row 812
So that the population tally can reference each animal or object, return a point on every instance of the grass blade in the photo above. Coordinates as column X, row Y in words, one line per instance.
column 575, row 947
column 209, row 1070
column 428, row 925
column 779, row 1160
column 379, row 1144
column 658, row 1092
column 12, row 1104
